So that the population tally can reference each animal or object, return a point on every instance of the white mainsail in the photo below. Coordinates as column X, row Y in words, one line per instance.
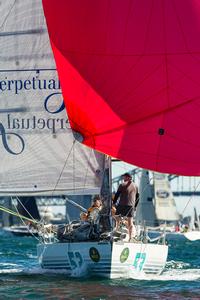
column 37, row 150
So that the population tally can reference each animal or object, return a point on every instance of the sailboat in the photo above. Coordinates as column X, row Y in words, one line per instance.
column 165, row 206
column 26, row 207
column 157, row 206
column 157, row 209
column 40, row 154
column 157, row 203
column 127, row 74
column 193, row 233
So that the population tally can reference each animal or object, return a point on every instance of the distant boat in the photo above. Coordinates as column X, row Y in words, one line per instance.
column 165, row 206
column 157, row 204
column 192, row 235
column 193, row 232
column 21, row 230
column 157, row 209
column 26, row 207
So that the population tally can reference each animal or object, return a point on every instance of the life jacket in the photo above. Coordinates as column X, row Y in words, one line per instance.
column 90, row 210
column 86, row 216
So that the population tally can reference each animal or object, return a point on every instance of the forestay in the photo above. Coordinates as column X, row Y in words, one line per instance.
column 37, row 150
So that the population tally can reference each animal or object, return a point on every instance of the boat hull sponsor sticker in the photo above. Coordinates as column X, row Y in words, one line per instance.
column 94, row 254
column 75, row 259
column 139, row 261
column 124, row 255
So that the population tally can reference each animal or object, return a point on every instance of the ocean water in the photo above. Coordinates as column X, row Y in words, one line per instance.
column 22, row 278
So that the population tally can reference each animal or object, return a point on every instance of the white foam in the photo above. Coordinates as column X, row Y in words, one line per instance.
column 175, row 273
column 7, row 264
column 181, row 275
column 11, row 271
column 172, row 264
column 40, row 271
column 168, row 275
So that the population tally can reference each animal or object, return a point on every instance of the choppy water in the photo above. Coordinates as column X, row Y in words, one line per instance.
column 22, row 278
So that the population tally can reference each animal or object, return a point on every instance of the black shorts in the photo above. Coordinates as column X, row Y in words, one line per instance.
column 125, row 211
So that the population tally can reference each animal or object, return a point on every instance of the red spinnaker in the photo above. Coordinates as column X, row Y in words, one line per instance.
column 130, row 76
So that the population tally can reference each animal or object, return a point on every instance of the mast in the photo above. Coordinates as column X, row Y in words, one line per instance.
column 106, row 193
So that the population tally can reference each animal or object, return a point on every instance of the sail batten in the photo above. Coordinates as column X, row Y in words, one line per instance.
column 24, row 32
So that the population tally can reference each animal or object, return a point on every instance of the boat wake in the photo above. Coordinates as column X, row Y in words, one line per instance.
column 175, row 271
column 180, row 275
column 16, row 269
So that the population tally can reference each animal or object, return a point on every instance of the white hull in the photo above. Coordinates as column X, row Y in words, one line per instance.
column 192, row 235
column 104, row 259
column 21, row 231
column 168, row 235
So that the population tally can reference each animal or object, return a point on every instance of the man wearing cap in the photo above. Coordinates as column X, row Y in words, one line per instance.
column 127, row 192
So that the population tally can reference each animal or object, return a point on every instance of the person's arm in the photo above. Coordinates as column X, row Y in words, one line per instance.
column 117, row 195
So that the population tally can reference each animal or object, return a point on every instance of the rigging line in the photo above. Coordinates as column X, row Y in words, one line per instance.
column 18, row 199
column 74, row 169
column 26, row 224
column 87, row 170
column 15, row 214
column 59, row 177
column 76, row 204
column 190, row 198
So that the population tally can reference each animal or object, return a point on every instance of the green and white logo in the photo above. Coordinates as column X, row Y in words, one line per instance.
column 75, row 259
column 139, row 261
column 124, row 255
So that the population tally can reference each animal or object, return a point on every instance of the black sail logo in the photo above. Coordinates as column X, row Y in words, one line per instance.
column 4, row 137
column 162, row 193
column 61, row 108
column 21, row 122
